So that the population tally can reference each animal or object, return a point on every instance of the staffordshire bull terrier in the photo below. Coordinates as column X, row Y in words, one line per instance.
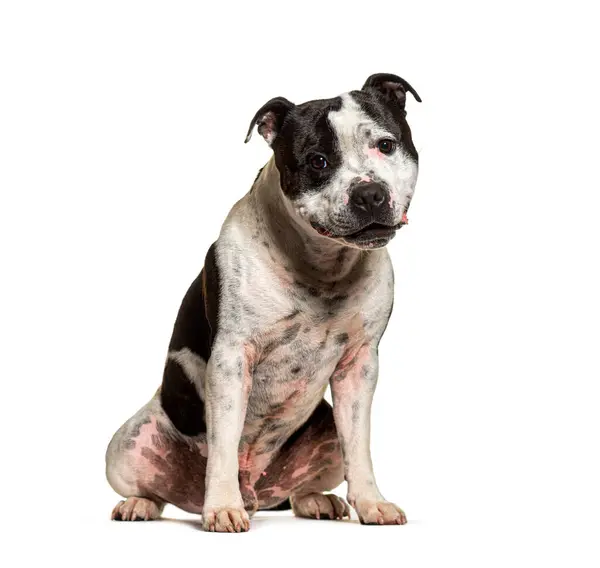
column 294, row 295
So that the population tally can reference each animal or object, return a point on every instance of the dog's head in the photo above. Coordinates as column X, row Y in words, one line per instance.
column 347, row 165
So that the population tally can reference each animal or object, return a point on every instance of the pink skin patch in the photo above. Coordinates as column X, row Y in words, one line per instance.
column 365, row 178
column 301, row 471
column 246, row 460
column 374, row 153
column 145, row 440
column 404, row 218
column 266, row 126
column 348, row 372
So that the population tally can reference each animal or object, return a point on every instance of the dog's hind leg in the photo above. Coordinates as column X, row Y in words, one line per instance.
column 124, row 473
column 150, row 463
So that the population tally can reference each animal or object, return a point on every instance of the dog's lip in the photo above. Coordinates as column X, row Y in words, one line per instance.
column 370, row 231
column 373, row 231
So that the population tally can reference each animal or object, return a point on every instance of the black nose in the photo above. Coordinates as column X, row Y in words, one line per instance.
column 368, row 196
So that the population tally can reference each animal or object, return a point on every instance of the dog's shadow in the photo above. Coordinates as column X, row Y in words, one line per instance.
column 259, row 521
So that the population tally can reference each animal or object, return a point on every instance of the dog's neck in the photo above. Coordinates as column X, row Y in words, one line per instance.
column 293, row 242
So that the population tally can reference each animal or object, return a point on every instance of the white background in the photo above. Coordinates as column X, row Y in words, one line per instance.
column 121, row 152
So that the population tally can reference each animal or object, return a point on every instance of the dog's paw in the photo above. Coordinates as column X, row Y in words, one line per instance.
column 379, row 512
column 225, row 519
column 320, row 506
column 136, row 509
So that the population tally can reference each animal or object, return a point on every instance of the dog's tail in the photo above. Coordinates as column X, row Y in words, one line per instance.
column 283, row 506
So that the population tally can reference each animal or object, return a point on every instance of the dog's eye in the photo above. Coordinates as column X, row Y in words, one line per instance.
column 318, row 162
column 386, row 146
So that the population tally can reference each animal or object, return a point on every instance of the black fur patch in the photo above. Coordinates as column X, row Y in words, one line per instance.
column 341, row 338
column 180, row 400
column 212, row 288
column 306, row 130
column 195, row 329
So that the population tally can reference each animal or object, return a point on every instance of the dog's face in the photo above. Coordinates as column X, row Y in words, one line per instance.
column 347, row 165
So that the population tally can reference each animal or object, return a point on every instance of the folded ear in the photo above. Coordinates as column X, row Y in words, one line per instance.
column 269, row 119
column 392, row 87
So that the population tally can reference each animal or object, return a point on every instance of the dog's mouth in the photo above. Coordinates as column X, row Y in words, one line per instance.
column 372, row 233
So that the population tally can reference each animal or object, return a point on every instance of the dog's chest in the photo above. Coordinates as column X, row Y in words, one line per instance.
column 297, row 359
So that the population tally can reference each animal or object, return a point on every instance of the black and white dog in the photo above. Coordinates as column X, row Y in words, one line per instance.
column 294, row 296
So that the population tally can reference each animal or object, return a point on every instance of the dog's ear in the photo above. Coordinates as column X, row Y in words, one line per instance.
column 269, row 119
column 392, row 87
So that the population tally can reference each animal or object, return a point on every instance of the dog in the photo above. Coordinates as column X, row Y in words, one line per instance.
column 294, row 296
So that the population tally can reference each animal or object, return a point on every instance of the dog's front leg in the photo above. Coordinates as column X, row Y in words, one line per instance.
column 352, row 386
column 227, row 387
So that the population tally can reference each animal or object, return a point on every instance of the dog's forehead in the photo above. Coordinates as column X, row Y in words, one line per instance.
column 356, row 122
column 352, row 114
column 307, row 128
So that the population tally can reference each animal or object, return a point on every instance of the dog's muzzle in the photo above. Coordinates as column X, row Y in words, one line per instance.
column 369, row 204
